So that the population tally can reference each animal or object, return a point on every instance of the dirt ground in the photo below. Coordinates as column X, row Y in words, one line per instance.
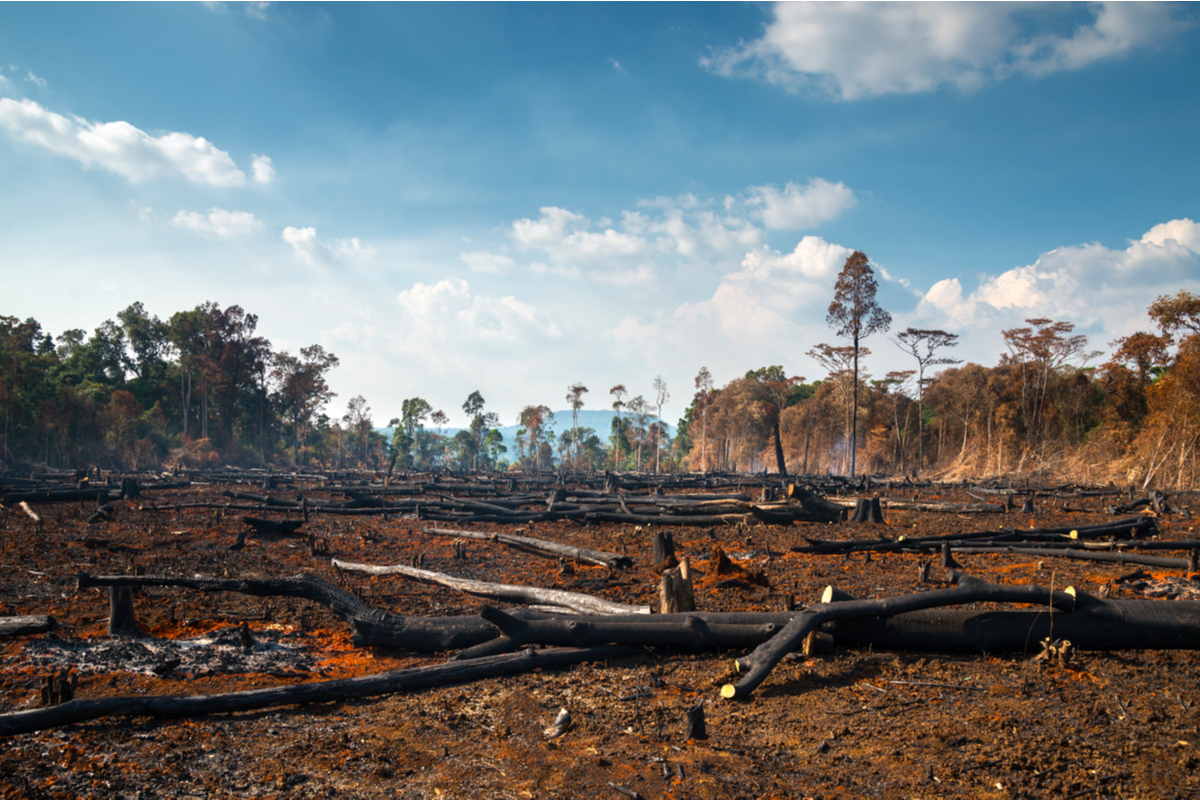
column 851, row 723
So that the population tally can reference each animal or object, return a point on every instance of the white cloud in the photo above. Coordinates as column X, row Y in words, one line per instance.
column 440, row 317
column 801, row 206
column 262, row 168
column 1090, row 284
column 120, row 147
column 687, row 231
column 615, row 64
column 218, row 222
column 316, row 253
column 483, row 261
column 35, row 79
column 773, row 306
column 857, row 50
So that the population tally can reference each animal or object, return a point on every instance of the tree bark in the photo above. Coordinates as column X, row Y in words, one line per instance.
column 763, row 659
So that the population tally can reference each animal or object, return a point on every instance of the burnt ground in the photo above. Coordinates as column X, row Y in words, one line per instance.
column 850, row 723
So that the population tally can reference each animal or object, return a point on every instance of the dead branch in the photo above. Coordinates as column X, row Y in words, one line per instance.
column 571, row 601
column 401, row 680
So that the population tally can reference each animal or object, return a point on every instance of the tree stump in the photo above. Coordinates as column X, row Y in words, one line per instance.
column 664, row 550
column 121, row 620
column 696, row 728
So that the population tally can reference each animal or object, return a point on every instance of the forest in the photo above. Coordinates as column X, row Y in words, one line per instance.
column 204, row 387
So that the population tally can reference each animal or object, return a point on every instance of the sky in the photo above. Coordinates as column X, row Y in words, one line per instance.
column 517, row 197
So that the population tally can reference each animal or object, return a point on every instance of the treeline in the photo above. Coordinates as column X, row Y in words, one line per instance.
column 1044, row 407
column 203, row 388
column 197, row 388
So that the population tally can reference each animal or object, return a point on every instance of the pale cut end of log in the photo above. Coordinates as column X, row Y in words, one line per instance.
column 33, row 515
column 833, row 595
column 729, row 691
column 562, row 723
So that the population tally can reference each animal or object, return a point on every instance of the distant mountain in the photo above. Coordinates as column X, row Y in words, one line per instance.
column 599, row 420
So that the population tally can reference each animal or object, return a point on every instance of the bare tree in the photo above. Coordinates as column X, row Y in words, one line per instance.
column 704, row 387
column 855, row 314
column 661, row 395
column 618, row 392
column 922, row 344
column 574, row 398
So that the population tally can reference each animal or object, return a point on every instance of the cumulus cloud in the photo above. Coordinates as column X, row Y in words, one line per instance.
column 436, row 316
column 120, row 147
column 773, row 305
column 683, row 231
column 857, row 50
column 218, row 222
column 797, row 206
column 262, row 168
column 316, row 253
column 1089, row 284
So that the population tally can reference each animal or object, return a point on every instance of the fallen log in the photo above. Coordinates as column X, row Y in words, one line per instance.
column 24, row 625
column 372, row 626
column 401, row 680
column 1132, row 527
column 759, row 663
column 527, row 543
column 684, row 631
column 571, row 601
column 1078, row 554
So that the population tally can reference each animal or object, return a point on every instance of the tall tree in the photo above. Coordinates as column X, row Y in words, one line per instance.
column 661, row 396
column 766, row 392
column 575, row 393
column 357, row 420
column 618, row 393
column 1179, row 312
column 704, row 387
column 922, row 344
column 532, row 420
column 853, row 313
column 301, row 388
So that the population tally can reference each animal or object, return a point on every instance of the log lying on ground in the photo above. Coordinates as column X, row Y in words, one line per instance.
column 373, row 627
column 1081, row 554
column 21, row 626
column 1124, row 528
column 684, row 631
column 401, row 680
column 946, row 508
column 759, row 663
column 571, row 601
column 527, row 543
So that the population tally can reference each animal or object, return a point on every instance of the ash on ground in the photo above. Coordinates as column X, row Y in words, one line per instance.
column 226, row 651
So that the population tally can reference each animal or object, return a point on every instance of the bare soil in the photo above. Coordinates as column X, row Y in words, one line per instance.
column 851, row 723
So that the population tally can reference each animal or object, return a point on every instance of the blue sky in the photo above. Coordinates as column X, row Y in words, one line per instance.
column 517, row 197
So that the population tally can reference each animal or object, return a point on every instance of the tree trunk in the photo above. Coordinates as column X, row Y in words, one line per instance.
column 778, row 436
column 854, row 414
